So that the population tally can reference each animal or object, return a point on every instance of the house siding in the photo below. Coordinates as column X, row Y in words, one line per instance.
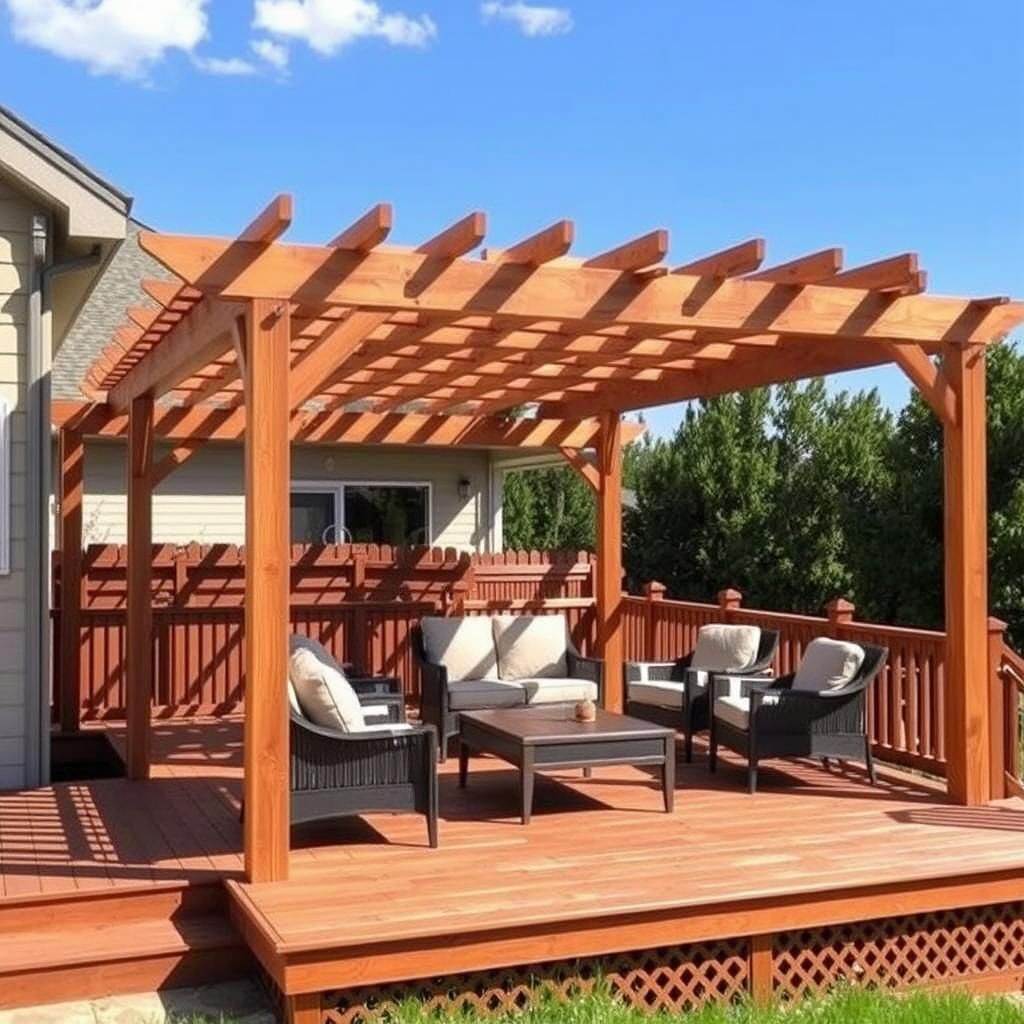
column 15, row 251
column 204, row 499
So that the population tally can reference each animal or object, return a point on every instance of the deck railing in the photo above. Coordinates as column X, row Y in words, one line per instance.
column 363, row 602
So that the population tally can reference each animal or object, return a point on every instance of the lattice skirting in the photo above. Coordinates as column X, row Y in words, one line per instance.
column 955, row 947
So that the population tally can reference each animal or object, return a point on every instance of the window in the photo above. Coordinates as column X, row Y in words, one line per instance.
column 361, row 513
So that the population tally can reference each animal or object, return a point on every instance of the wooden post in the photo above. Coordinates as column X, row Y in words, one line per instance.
column 840, row 613
column 139, row 635
column 609, row 558
column 998, row 709
column 968, row 722
column 761, row 969
column 267, row 568
column 72, row 470
column 729, row 600
column 655, row 593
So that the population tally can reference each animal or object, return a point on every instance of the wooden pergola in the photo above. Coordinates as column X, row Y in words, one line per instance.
column 359, row 341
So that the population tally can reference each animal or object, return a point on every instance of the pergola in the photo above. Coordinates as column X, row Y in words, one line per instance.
column 359, row 341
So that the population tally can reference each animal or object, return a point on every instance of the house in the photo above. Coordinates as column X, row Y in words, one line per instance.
column 402, row 495
column 59, row 225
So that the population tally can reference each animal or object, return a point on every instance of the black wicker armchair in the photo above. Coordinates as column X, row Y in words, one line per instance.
column 436, row 699
column 683, row 703
column 787, row 722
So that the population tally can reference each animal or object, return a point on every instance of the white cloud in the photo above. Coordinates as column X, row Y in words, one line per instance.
column 120, row 37
column 531, row 19
column 274, row 54
column 328, row 25
column 224, row 65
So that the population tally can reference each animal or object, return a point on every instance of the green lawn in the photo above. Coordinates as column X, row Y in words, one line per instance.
column 851, row 1006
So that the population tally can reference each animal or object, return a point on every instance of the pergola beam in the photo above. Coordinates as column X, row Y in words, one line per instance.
column 320, row 276
column 367, row 232
column 271, row 222
column 543, row 247
column 460, row 238
column 810, row 269
column 636, row 254
column 743, row 258
column 340, row 427
column 202, row 337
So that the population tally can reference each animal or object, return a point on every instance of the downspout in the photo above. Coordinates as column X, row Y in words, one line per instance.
column 39, row 482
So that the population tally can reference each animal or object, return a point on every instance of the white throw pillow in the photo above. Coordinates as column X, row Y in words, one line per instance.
column 722, row 648
column 325, row 695
column 828, row 664
column 531, row 646
column 465, row 646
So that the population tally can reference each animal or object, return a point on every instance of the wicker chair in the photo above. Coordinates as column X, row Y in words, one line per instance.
column 682, row 689
column 389, row 767
column 787, row 722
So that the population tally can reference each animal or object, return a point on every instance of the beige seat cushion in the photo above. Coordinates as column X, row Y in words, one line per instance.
column 736, row 710
column 828, row 664
column 722, row 648
column 660, row 693
column 293, row 699
column 531, row 646
column 549, row 690
column 324, row 694
column 479, row 694
column 465, row 646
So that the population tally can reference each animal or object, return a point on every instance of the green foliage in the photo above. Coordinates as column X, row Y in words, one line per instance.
column 794, row 496
column 845, row 1006
column 548, row 509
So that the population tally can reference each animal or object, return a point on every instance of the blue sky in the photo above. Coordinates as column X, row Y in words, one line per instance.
column 878, row 126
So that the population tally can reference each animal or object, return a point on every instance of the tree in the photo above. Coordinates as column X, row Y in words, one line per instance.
column 548, row 509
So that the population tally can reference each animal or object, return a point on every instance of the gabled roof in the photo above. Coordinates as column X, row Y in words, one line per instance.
column 119, row 288
column 62, row 160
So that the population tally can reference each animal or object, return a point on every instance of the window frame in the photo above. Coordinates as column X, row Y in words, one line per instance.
column 336, row 488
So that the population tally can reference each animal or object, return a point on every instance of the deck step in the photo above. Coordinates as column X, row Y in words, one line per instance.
column 168, row 947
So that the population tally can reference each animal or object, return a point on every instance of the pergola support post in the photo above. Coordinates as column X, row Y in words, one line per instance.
column 267, row 570
column 72, row 470
column 609, row 558
column 968, row 710
column 139, row 638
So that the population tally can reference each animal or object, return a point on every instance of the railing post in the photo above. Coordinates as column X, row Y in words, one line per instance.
column 655, row 593
column 840, row 613
column 1005, row 754
column 729, row 600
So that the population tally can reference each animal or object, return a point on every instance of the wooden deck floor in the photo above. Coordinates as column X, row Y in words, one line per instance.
column 592, row 841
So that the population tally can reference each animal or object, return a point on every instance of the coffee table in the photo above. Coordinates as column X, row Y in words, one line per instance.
column 550, row 737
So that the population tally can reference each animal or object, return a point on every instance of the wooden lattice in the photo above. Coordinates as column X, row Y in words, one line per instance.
column 674, row 978
column 921, row 949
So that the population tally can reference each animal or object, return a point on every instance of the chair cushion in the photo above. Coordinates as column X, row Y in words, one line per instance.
column 293, row 700
column 548, row 690
column 531, row 646
column 325, row 695
column 736, row 710
column 465, row 646
column 387, row 727
column 661, row 693
column 828, row 664
column 480, row 694
column 371, row 712
column 722, row 648
column 297, row 642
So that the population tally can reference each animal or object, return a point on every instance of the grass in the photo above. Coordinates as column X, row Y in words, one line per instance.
column 846, row 1006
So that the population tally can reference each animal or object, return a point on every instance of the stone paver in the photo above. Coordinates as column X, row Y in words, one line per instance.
column 241, row 1002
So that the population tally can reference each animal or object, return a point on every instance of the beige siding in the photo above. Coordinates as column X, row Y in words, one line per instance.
column 15, row 222
column 203, row 500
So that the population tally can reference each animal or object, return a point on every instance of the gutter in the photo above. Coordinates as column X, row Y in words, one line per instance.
column 37, row 499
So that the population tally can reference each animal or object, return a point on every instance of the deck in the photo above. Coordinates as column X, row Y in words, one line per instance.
column 601, row 869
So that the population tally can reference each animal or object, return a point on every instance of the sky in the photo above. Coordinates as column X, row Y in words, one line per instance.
column 878, row 126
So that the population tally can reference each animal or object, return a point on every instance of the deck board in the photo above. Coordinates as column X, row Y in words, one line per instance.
column 594, row 846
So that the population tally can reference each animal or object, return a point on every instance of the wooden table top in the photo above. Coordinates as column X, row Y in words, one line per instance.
column 556, row 723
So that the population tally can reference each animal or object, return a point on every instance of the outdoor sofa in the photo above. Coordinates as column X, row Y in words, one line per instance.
column 818, row 711
column 479, row 662
column 352, row 751
column 675, row 693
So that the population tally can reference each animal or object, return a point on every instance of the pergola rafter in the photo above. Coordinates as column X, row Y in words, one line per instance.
column 274, row 343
